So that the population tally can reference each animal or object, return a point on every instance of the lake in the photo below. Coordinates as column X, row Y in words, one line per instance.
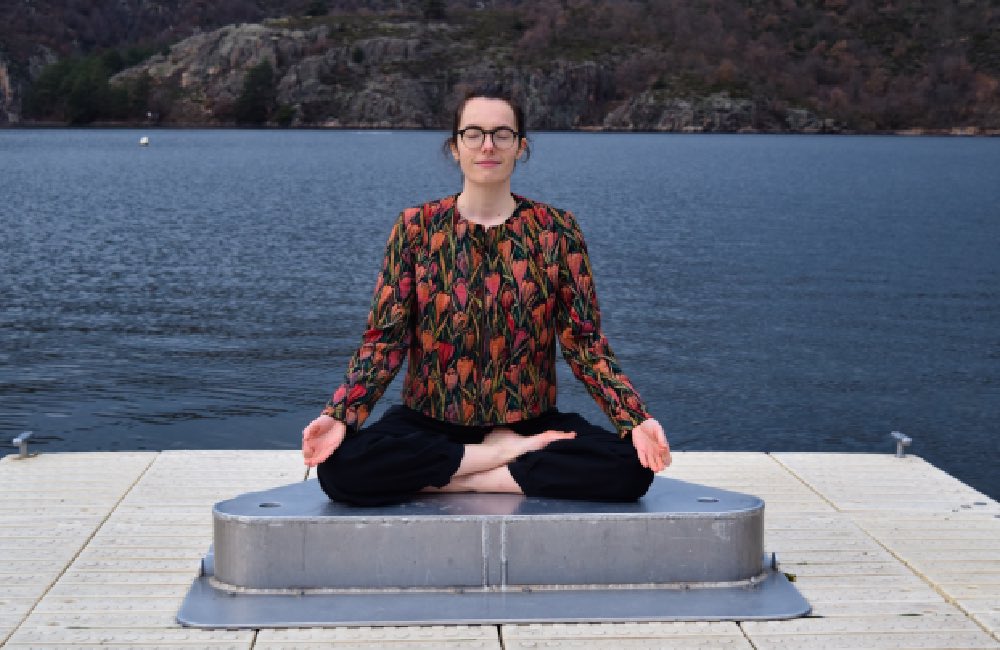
column 765, row 293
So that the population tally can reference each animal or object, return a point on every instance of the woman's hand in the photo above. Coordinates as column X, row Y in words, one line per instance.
column 651, row 445
column 321, row 438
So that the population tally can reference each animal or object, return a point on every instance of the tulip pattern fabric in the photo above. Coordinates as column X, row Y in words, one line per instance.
column 477, row 312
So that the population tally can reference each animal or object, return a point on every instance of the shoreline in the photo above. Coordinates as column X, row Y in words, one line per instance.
column 954, row 132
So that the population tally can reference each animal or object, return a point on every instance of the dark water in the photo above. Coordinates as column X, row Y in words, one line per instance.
column 764, row 293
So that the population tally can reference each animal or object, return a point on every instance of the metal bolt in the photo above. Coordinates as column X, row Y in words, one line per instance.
column 901, row 443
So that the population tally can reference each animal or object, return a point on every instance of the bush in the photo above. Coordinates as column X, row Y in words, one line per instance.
column 284, row 115
column 317, row 8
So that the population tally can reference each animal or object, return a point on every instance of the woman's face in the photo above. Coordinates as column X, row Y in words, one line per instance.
column 487, row 163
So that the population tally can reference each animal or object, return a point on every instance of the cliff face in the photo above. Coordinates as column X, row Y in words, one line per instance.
column 8, row 101
column 408, row 78
column 14, row 77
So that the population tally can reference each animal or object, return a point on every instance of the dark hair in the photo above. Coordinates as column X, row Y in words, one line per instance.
column 491, row 91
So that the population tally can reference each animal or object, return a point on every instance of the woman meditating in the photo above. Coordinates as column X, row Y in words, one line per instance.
column 475, row 290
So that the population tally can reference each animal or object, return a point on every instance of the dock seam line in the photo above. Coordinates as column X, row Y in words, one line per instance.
column 804, row 482
column 86, row 543
column 746, row 636
column 926, row 580
column 253, row 639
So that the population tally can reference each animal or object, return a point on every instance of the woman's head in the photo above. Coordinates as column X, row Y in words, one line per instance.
column 496, row 105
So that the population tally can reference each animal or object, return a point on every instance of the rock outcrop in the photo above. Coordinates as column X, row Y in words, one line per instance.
column 407, row 79
column 12, row 84
column 9, row 104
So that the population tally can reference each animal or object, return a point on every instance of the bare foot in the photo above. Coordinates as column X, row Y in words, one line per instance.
column 515, row 444
column 500, row 436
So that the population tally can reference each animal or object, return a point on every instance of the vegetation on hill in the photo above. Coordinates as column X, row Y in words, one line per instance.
column 76, row 90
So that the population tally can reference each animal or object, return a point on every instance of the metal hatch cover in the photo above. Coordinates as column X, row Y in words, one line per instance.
column 289, row 557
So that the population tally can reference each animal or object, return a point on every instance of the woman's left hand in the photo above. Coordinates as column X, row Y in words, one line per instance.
column 651, row 445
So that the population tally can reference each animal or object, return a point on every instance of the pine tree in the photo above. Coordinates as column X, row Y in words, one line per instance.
column 257, row 100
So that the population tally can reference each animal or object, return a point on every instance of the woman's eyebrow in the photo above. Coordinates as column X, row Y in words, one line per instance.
column 482, row 128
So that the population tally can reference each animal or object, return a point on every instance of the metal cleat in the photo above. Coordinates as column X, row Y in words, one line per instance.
column 902, row 442
column 21, row 442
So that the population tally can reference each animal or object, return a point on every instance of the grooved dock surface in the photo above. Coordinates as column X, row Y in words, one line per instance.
column 99, row 549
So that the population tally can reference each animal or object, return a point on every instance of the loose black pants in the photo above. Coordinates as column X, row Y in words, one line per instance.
column 404, row 451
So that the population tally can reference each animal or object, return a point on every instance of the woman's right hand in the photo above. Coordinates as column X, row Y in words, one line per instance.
column 321, row 438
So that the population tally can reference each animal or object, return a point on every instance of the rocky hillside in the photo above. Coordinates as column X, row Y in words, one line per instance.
column 393, row 74
column 405, row 77
column 723, row 65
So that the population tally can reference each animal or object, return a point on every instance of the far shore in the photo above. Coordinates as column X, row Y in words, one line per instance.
column 961, row 131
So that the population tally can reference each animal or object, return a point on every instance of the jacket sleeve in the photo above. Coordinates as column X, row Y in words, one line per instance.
column 584, row 345
column 387, row 333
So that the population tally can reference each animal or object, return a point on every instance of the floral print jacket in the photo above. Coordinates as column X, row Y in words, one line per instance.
column 477, row 310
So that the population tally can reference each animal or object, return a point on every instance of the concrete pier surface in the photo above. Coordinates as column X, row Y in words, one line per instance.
column 99, row 549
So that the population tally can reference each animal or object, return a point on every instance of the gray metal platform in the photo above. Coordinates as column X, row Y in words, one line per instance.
column 289, row 557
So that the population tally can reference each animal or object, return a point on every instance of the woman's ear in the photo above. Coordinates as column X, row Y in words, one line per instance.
column 454, row 151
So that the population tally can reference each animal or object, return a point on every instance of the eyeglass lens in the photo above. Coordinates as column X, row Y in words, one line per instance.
column 503, row 137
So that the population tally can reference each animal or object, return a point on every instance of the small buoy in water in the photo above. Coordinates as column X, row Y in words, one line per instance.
column 144, row 141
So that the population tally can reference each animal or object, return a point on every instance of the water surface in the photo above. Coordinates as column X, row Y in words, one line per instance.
column 767, row 293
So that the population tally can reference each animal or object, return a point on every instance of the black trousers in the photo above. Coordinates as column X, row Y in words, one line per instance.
column 404, row 451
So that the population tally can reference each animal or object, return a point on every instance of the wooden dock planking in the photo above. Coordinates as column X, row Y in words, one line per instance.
column 101, row 548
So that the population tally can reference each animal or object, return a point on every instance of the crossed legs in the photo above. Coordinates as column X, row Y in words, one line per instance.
column 558, row 455
column 484, row 465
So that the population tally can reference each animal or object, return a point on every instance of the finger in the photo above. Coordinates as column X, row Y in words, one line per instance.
column 658, row 460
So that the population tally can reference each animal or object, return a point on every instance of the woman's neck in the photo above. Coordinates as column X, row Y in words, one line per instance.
column 487, row 206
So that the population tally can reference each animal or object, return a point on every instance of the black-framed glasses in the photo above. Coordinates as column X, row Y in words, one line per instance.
column 473, row 137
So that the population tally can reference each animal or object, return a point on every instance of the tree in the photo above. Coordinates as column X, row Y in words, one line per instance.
column 317, row 8
column 86, row 93
column 434, row 9
column 257, row 100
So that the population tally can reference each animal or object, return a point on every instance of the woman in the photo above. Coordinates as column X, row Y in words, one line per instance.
column 475, row 289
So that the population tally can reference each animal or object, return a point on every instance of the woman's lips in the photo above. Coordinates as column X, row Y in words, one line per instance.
column 489, row 163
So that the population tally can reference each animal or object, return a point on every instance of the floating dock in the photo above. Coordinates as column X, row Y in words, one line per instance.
column 99, row 549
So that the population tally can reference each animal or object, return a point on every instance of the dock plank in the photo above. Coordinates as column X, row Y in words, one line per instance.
column 625, row 636
column 443, row 637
